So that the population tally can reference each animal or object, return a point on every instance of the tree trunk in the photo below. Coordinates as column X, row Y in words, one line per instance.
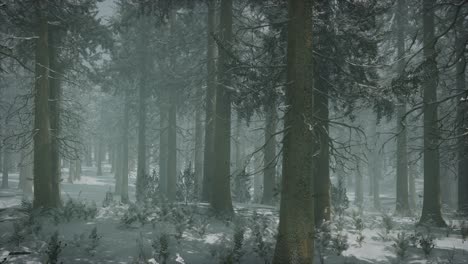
column 55, row 76
column 99, row 155
column 172, row 126
column 431, row 213
column 208, row 155
column 295, row 241
column 374, row 163
column 43, row 189
column 118, row 172
column 172, row 149
column 402, row 205
column 462, row 117
column 269, row 153
column 26, row 172
column 124, row 159
column 163, row 143
column 71, row 172
column 198, row 150
column 221, row 194
column 5, row 168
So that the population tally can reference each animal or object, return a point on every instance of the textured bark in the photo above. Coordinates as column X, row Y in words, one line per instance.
column 71, row 171
column 43, row 196
column 26, row 175
column 208, row 155
column 124, row 159
column 431, row 213
column 142, row 93
column 172, row 149
column 295, row 241
column 269, row 153
column 5, row 168
column 221, row 194
column 322, row 86
column 99, row 155
column 374, row 163
column 55, row 75
column 163, row 121
column 462, row 117
column 118, row 172
column 402, row 205
column 172, row 127
column 198, row 150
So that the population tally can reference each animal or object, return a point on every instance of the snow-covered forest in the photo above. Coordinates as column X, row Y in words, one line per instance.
column 234, row 131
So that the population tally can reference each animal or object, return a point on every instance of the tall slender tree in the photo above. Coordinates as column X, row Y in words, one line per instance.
column 402, row 204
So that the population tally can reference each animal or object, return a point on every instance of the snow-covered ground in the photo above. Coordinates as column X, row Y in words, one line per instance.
column 140, row 241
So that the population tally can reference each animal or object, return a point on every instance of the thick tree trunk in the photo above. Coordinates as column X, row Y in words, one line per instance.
column 374, row 163
column 431, row 213
column 221, row 194
column 269, row 153
column 124, row 159
column 402, row 204
column 55, row 76
column 208, row 155
column 462, row 117
column 295, row 241
column 43, row 189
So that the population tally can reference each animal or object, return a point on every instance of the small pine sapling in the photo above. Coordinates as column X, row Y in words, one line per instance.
column 464, row 231
column 339, row 243
column 161, row 248
column 93, row 241
column 401, row 245
column 54, row 248
column 427, row 244
column 18, row 234
column 323, row 239
column 238, row 239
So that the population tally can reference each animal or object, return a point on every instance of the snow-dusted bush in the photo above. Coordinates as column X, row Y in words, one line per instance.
column 108, row 199
column 262, row 248
column 401, row 243
column 387, row 223
column 54, row 248
column 186, row 185
column 160, row 246
column 18, row 235
column 201, row 225
column 93, row 241
column 464, row 230
column 323, row 239
column 339, row 243
column 427, row 244
column 339, row 199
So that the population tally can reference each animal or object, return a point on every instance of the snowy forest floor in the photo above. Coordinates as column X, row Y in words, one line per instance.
column 187, row 233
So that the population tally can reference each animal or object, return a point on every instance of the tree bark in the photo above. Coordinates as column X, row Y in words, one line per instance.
column 462, row 117
column 118, row 172
column 99, row 155
column 402, row 205
column 221, row 195
column 431, row 213
column 124, row 159
column 163, row 143
column 172, row 149
column 198, row 150
column 269, row 153
column 141, row 148
column 43, row 189
column 5, row 168
column 208, row 155
column 295, row 241
column 55, row 91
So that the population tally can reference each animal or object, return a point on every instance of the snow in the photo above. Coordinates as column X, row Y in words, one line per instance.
column 118, row 243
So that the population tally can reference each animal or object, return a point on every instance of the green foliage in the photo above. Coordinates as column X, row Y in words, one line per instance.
column 339, row 243
column 426, row 242
column 93, row 241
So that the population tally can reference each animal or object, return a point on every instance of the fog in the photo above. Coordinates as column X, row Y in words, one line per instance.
column 233, row 131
